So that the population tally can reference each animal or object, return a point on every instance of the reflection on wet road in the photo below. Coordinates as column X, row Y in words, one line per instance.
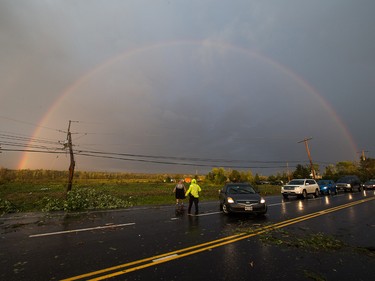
column 136, row 242
column 228, row 241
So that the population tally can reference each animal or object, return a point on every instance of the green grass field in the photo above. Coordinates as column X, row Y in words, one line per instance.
column 97, row 194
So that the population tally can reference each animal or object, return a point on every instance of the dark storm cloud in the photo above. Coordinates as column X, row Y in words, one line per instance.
column 235, row 87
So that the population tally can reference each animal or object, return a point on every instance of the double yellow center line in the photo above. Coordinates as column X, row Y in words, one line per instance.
column 166, row 257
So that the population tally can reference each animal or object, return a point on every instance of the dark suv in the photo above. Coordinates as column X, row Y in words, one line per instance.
column 348, row 183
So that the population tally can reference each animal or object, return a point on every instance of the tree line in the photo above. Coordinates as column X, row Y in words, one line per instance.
column 364, row 169
column 9, row 175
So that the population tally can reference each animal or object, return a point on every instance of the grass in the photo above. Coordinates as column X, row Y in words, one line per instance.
column 310, row 242
column 51, row 195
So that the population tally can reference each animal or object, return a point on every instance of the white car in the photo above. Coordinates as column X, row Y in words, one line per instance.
column 300, row 188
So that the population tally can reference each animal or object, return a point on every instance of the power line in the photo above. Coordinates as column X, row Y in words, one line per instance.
column 13, row 144
column 177, row 163
column 32, row 151
column 27, row 139
column 146, row 158
column 28, row 123
column 35, row 145
column 183, row 158
column 142, row 160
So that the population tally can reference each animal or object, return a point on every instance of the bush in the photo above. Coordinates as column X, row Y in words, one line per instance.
column 7, row 207
column 51, row 204
column 84, row 199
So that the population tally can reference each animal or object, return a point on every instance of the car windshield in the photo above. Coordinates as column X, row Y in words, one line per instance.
column 344, row 179
column 370, row 182
column 240, row 189
column 323, row 182
column 296, row 182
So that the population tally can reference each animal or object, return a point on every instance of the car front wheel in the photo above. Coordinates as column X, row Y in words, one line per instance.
column 225, row 209
column 304, row 194
column 316, row 195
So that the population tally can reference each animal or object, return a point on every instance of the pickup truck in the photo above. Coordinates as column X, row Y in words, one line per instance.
column 300, row 188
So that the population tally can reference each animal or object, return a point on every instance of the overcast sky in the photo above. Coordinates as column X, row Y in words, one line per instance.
column 201, row 83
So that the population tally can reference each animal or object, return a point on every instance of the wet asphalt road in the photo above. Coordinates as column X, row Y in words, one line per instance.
column 155, row 244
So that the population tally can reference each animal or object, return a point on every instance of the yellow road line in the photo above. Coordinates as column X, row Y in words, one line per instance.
column 151, row 258
column 166, row 257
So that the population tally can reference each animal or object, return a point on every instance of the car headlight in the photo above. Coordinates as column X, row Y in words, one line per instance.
column 262, row 201
column 230, row 200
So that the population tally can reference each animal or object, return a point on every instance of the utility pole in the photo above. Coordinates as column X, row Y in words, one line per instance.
column 72, row 162
column 309, row 155
column 363, row 156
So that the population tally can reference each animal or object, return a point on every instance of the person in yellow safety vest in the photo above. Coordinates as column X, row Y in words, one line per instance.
column 193, row 191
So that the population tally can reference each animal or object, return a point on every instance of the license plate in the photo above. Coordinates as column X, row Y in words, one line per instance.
column 248, row 208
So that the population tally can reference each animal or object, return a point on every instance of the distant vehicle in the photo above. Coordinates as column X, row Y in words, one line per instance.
column 277, row 182
column 369, row 184
column 241, row 198
column 349, row 183
column 262, row 182
column 300, row 188
column 327, row 187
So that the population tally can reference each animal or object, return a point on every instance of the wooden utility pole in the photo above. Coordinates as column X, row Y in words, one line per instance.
column 72, row 162
column 363, row 156
column 309, row 155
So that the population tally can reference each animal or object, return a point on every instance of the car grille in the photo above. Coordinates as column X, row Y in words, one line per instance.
column 247, row 202
column 288, row 187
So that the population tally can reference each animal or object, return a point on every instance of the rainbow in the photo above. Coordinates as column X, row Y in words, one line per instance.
column 205, row 43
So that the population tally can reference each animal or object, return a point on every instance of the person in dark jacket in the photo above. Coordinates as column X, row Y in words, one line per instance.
column 179, row 191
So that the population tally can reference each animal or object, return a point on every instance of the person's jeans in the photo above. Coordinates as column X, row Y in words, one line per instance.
column 194, row 200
